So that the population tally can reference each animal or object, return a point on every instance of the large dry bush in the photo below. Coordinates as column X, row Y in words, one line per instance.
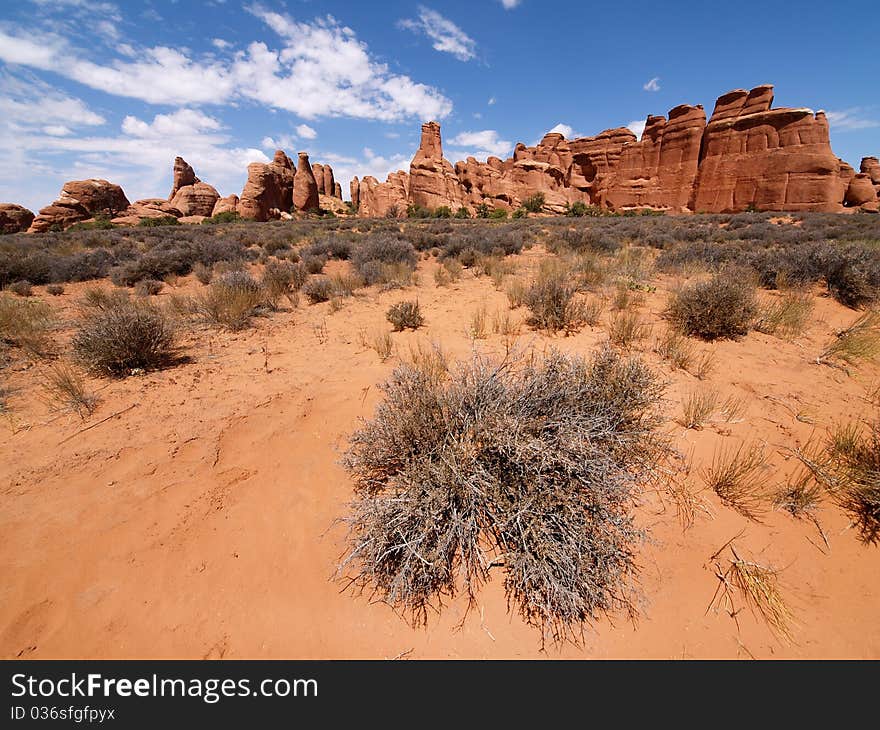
column 723, row 306
column 552, row 299
column 123, row 336
column 26, row 324
column 529, row 463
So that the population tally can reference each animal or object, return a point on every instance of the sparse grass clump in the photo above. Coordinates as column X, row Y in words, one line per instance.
column 553, row 301
column 739, row 478
column 55, row 289
column 148, row 287
column 127, row 335
column 854, row 471
column 277, row 282
column 676, row 349
column 627, row 328
column 405, row 315
column 697, row 408
column 527, row 463
column 785, row 317
column 318, row 289
column 721, row 307
column 231, row 300
column 859, row 341
column 66, row 390
column 26, row 324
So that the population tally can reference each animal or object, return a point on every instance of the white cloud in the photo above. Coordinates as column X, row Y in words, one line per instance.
column 306, row 132
column 320, row 69
column 637, row 127
column 653, row 84
column 510, row 4
column 566, row 131
column 279, row 142
column 57, row 130
column 491, row 100
column 848, row 119
column 484, row 143
column 447, row 37
column 220, row 43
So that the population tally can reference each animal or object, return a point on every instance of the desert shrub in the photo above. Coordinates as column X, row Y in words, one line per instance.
column 373, row 257
column 739, row 478
column 26, row 324
column 498, row 214
column 318, row 289
column 128, row 335
column 853, row 475
column 553, row 302
column 483, row 210
column 66, row 390
column 314, row 264
column 55, row 289
column 417, row 211
column 165, row 220
column 520, row 213
column 148, row 287
column 277, row 282
column 231, row 300
column 721, row 307
column 21, row 288
column 405, row 315
column 532, row 463
column 534, row 203
column 627, row 328
column 443, row 211
column 859, row 341
column 228, row 216
column 462, row 213
column 329, row 247
column 203, row 273
column 786, row 316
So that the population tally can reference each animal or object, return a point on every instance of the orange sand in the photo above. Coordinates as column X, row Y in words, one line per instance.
column 199, row 523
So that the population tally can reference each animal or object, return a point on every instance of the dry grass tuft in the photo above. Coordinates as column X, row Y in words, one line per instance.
column 625, row 329
column 477, row 325
column 676, row 349
column 859, row 341
column 786, row 316
column 759, row 587
column 405, row 315
column 553, row 301
column 739, row 478
column 66, row 390
column 26, row 324
column 698, row 408
column 380, row 341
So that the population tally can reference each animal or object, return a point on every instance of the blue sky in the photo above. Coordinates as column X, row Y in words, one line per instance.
column 116, row 89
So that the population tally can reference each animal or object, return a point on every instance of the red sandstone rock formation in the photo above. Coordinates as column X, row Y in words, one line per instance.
column 226, row 205
column 432, row 179
column 14, row 218
column 337, row 190
column 305, row 187
column 147, row 208
column 183, row 175
column 354, row 188
column 318, row 173
column 329, row 181
column 770, row 159
column 81, row 200
column 378, row 200
column 269, row 188
column 748, row 155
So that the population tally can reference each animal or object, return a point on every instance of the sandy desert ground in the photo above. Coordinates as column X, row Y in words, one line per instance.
column 193, row 514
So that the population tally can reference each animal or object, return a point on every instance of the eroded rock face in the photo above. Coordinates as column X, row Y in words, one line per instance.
column 269, row 187
column 318, row 172
column 379, row 200
column 748, row 155
column 147, row 208
column 860, row 191
column 197, row 199
column 329, row 181
column 305, row 187
column 658, row 171
column 81, row 200
column 14, row 218
column 337, row 190
column 226, row 205
column 768, row 159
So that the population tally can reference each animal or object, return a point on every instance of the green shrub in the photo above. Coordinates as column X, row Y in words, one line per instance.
column 462, row 213
column 498, row 214
column 165, row 220
column 534, row 203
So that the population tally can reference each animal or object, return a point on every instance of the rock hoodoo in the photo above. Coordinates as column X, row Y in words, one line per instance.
column 269, row 188
column 305, row 187
column 190, row 195
column 747, row 156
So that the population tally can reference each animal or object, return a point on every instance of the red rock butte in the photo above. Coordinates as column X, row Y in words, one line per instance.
column 747, row 156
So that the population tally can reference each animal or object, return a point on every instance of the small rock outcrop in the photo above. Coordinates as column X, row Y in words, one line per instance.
column 190, row 195
column 305, row 187
column 147, row 208
column 14, row 218
column 228, row 204
column 81, row 200
column 183, row 175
